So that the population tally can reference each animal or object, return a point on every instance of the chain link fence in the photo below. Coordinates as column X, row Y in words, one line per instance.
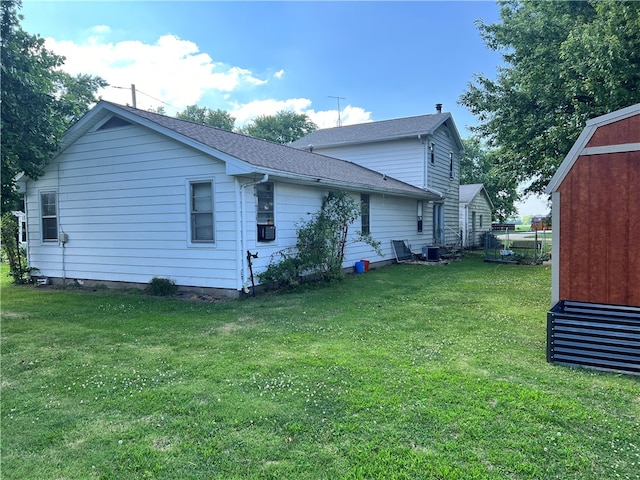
column 510, row 247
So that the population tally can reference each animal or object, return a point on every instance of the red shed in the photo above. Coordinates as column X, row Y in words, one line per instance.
column 596, row 228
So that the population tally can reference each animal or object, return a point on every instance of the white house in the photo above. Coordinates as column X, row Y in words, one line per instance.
column 476, row 210
column 133, row 195
column 423, row 151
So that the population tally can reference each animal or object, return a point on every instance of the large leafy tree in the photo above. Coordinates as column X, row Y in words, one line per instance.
column 283, row 127
column 565, row 62
column 39, row 102
column 481, row 165
column 206, row 116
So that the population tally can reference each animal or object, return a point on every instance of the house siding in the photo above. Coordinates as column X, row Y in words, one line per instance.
column 122, row 198
column 408, row 160
column 124, row 209
column 480, row 205
column 392, row 218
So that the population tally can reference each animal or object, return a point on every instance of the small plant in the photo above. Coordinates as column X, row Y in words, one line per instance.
column 161, row 286
column 12, row 251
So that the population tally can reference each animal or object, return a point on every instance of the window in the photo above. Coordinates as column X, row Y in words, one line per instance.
column 201, row 206
column 365, row 208
column 265, row 214
column 49, row 212
column 480, row 221
column 264, row 192
column 432, row 152
column 420, row 207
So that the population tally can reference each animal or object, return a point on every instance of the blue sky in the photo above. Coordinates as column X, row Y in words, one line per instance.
column 385, row 59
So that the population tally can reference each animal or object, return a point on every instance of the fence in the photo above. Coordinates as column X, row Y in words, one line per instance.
column 534, row 247
column 593, row 335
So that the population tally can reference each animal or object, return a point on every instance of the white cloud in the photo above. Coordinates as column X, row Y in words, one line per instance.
column 175, row 71
column 171, row 69
column 349, row 115
column 100, row 29
column 247, row 111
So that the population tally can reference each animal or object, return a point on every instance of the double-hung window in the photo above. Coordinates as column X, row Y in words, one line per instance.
column 365, row 214
column 201, row 209
column 265, row 212
column 49, row 214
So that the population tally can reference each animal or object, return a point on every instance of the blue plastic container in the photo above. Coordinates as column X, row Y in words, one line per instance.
column 359, row 267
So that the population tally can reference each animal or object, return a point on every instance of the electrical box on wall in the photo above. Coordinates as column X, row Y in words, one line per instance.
column 266, row 233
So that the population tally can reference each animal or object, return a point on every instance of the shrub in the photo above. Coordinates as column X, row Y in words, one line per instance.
column 161, row 286
column 320, row 244
column 12, row 251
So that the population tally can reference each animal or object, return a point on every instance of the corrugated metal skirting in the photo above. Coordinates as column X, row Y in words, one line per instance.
column 593, row 335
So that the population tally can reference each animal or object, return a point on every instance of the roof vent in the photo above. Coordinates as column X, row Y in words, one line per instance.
column 439, row 107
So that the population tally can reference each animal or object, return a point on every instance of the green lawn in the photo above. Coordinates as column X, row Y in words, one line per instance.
column 412, row 371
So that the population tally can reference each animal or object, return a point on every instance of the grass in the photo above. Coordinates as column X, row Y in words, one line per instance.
column 410, row 371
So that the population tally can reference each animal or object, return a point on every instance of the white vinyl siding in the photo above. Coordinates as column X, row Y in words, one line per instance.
column 432, row 163
column 122, row 201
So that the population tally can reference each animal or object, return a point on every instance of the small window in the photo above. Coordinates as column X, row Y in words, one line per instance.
column 365, row 209
column 432, row 152
column 420, row 208
column 480, row 221
column 201, row 207
column 49, row 212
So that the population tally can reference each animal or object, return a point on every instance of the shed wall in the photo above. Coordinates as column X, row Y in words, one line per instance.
column 623, row 131
column 600, row 229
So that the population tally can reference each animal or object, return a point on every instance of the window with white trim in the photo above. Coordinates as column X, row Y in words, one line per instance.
column 49, row 216
column 201, row 211
column 265, row 212
column 365, row 210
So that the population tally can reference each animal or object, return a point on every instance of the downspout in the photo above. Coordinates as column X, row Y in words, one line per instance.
column 243, row 239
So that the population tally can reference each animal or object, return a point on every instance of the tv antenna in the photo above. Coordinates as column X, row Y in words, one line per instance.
column 338, row 99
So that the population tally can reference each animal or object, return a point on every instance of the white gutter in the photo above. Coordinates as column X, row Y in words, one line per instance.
column 241, row 232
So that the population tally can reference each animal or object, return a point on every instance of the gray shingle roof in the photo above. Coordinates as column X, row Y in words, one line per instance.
column 265, row 155
column 374, row 131
column 468, row 192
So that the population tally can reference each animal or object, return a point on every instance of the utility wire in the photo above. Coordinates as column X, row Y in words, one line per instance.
column 146, row 94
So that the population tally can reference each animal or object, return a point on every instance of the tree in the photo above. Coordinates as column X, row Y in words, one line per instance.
column 205, row 116
column 283, row 127
column 566, row 62
column 482, row 165
column 38, row 102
